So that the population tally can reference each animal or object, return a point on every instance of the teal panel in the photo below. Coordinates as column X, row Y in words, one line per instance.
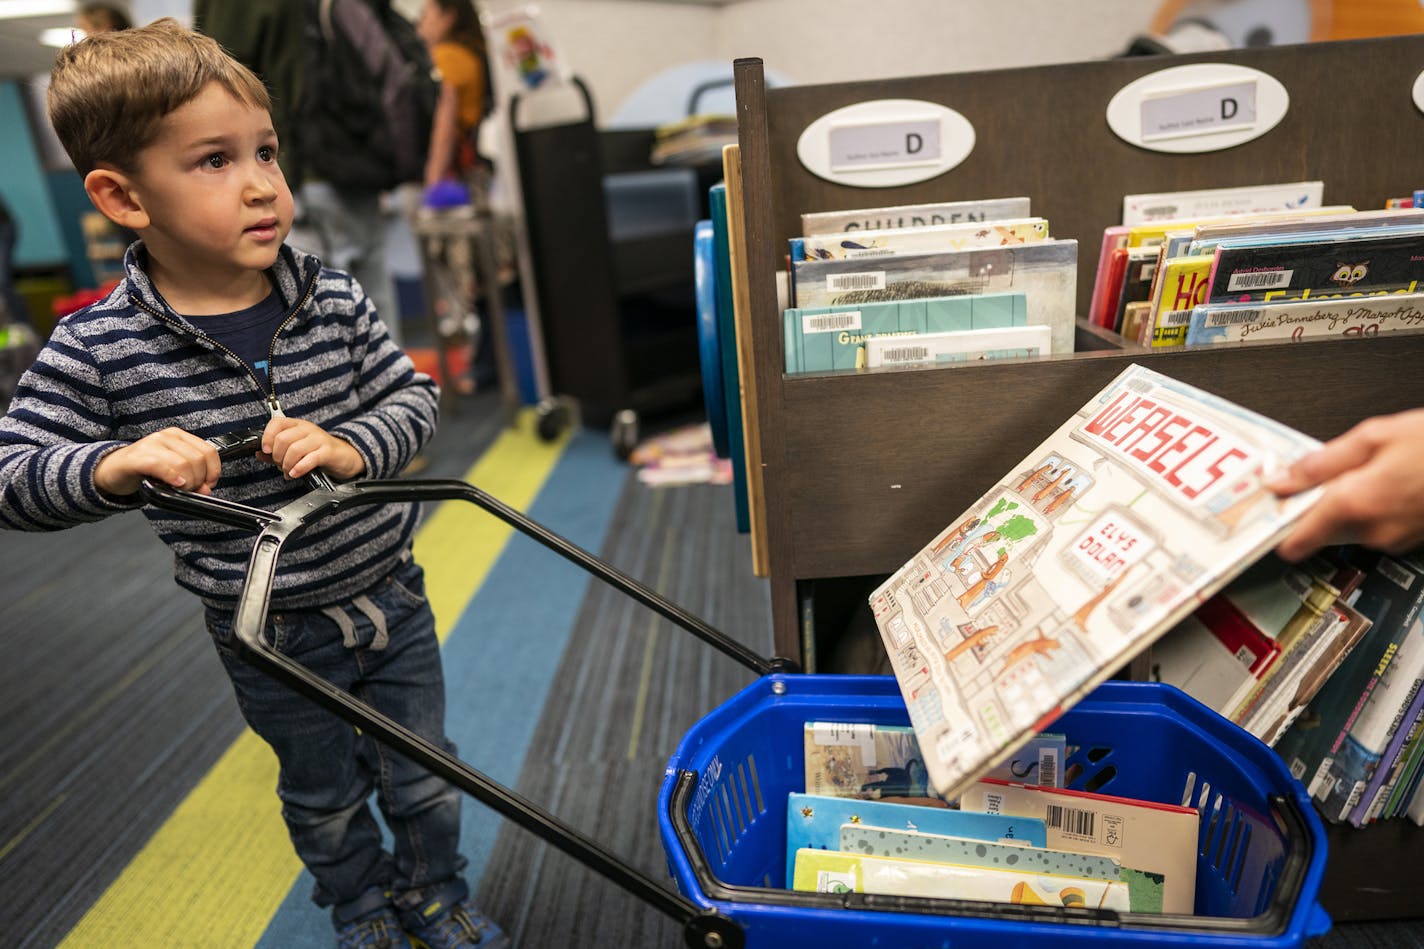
column 24, row 187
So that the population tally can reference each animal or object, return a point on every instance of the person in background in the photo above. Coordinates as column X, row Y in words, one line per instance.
column 451, row 31
column 219, row 327
column 454, row 170
column 10, row 300
column 344, row 225
column 1374, row 488
column 101, row 18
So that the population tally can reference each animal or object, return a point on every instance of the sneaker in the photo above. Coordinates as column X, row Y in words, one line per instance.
column 461, row 926
column 378, row 930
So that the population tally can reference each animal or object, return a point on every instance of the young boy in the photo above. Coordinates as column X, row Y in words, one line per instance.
column 218, row 327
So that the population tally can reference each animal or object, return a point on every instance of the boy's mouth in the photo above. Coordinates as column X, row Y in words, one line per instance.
column 266, row 229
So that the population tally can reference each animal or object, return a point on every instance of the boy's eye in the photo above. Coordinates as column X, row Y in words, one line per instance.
column 215, row 160
column 266, row 153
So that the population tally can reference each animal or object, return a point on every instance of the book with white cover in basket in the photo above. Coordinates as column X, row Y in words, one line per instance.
column 1140, row 506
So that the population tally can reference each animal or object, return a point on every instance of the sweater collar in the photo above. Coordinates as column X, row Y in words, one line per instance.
column 291, row 273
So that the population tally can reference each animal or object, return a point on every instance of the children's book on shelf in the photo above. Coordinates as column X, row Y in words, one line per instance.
column 1212, row 202
column 1046, row 272
column 940, row 349
column 1350, row 317
column 1308, row 269
column 823, row 871
column 1140, row 506
column 919, row 240
column 913, row 215
column 1181, row 286
column 1208, row 235
column 1215, row 655
column 1154, row 839
column 825, row 338
column 1301, row 671
column 1322, row 748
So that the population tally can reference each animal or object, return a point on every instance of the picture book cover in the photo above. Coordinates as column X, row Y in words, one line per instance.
column 883, row 762
column 822, row 871
column 1159, row 839
column 913, row 215
column 1144, row 889
column 947, row 349
column 874, row 762
column 1182, row 286
column 1349, row 317
column 1114, row 241
column 1046, row 272
column 919, row 240
column 937, row 848
column 819, row 339
column 814, row 821
column 1307, row 270
column 1140, row 506
column 1206, row 237
column 1211, row 202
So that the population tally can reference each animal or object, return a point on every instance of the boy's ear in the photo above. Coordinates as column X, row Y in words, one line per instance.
column 112, row 193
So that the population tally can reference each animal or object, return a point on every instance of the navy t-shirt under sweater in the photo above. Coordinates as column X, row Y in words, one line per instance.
column 248, row 333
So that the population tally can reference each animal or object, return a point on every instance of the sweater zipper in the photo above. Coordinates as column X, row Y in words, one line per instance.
column 269, row 395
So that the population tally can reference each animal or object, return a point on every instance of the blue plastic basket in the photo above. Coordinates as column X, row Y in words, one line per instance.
column 722, row 812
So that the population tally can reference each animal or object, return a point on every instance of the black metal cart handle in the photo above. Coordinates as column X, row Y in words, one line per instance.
column 701, row 928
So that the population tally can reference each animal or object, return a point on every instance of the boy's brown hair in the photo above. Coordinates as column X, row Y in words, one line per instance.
column 109, row 92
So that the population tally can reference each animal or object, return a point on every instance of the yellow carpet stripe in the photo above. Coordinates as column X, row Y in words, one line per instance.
column 217, row 870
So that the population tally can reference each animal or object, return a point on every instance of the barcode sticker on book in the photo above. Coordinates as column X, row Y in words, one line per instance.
column 1048, row 767
column 1072, row 821
column 1260, row 280
column 831, row 322
column 1228, row 317
column 865, row 280
column 904, row 355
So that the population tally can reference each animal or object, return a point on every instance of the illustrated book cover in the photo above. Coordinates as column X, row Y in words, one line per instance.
column 824, row 338
column 1348, row 317
column 1140, row 506
column 944, row 349
column 913, row 215
column 1160, row 839
column 1046, row 272
column 1210, row 202
column 1309, row 269
column 919, row 240
column 814, row 821
column 822, row 871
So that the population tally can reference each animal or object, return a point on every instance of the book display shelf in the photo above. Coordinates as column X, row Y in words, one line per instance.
column 857, row 470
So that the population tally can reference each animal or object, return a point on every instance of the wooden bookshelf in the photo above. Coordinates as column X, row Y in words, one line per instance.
column 858, row 470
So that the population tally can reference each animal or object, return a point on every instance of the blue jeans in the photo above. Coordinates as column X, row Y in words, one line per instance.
column 328, row 768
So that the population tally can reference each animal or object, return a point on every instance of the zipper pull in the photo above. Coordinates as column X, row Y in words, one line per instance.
column 274, row 406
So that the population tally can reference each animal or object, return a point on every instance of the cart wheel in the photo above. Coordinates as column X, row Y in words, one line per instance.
column 553, row 418
column 624, row 433
column 711, row 930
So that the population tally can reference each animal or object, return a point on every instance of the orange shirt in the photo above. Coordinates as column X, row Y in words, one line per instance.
column 462, row 69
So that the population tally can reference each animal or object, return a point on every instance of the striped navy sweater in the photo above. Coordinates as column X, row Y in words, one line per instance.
column 130, row 365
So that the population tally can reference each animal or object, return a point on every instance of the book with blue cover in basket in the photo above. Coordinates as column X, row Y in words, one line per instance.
column 1142, row 504
column 813, row 821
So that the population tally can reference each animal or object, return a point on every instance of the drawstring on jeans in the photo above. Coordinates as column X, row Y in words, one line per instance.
column 348, row 629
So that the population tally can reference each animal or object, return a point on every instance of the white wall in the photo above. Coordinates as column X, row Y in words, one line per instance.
column 616, row 45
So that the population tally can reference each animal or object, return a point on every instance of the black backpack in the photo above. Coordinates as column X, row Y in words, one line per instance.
column 370, row 95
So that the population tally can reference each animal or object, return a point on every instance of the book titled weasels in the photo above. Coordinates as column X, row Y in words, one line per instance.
column 1139, row 507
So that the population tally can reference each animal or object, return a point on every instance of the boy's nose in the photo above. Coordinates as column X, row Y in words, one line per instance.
column 260, row 186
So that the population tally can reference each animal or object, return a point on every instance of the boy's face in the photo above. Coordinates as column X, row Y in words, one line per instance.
column 216, row 204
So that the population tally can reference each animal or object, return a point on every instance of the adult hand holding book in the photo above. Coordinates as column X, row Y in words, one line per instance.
column 1374, row 488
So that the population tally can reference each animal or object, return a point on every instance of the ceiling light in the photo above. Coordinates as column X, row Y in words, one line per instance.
column 17, row 9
